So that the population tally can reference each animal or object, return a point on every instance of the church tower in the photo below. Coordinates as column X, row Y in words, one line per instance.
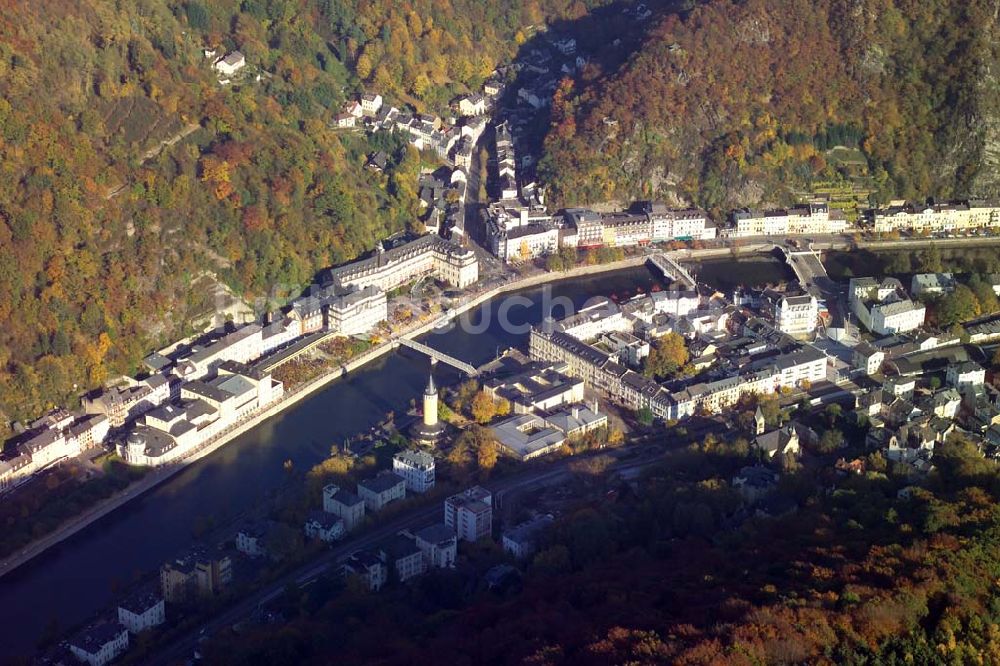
column 758, row 419
column 430, row 403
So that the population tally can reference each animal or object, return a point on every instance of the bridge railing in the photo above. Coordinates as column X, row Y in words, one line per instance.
column 467, row 368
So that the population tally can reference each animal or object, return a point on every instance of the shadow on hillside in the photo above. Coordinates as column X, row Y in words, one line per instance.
column 604, row 39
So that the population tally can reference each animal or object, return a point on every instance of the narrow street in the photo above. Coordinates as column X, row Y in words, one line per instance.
column 182, row 648
column 475, row 214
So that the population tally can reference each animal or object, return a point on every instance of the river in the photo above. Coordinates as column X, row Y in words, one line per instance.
column 754, row 271
column 77, row 578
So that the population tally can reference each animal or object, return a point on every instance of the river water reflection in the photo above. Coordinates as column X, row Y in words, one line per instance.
column 77, row 578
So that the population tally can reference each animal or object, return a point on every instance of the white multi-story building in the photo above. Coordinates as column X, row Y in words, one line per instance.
column 687, row 224
column 142, row 611
column 882, row 307
column 470, row 513
column 427, row 255
column 230, row 64
column 588, row 224
column 897, row 317
column 324, row 526
column 866, row 288
column 357, row 312
column 933, row 284
column 100, row 644
column 522, row 541
column 814, row 218
column 416, row 468
column 371, row 103
column 601, row 316
column 205, row 409
column 967, row 374
column 368, row 567
column 243, row 345
column 797, row 315
column 344, row 504
column 381, row 489
column 471, row 105
column 250, row 540
column 439, row 545
column 279, row 333
column 524, row 243
column 868, row 358
column 958, row 216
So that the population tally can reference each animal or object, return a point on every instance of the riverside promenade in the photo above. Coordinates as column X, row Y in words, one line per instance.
column 159, row 475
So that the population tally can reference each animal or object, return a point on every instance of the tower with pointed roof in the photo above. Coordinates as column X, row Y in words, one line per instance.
column 429, row 429
column 431, row 403
column 758, row 419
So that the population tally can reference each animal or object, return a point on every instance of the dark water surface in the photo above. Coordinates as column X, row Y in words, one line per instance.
column 77, row 578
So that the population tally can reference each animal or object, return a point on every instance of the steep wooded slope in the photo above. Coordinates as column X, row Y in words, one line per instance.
column 737, row 103
column 101, row 237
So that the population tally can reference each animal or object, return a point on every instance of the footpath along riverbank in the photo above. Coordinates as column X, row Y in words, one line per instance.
column 160, row 475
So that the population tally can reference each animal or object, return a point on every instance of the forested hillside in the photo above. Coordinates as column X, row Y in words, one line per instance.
column 868, row 570
column 740, row 103
column 103, row 238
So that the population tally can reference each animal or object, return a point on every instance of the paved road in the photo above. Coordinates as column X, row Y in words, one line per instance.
column 475, row 216
column 183, row 648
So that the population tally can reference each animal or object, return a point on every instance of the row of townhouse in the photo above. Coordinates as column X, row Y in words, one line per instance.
column 425, row 132
column 813, row 218
column 470, row 132
column 515, row 238
column 422, row 131
column 953, row 216
column 104, row 640
column 796, row 364
column 191, row 396
column 170, row 429
column 519, row 226
column 204, row 409
column 506, row 159
column 412, row 471
column 366, row 106
column 406, row 554
column 802, row 366
column 646, row 222
column 54, row 437
column 468, row 516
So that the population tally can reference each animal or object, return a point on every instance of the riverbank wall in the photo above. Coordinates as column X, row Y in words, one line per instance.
column 162, row 474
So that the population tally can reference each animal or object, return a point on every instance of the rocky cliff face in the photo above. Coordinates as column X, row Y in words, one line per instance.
column 757, row 102
column 984, row 125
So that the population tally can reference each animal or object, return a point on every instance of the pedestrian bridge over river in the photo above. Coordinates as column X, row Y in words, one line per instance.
column 671, row 269
column 439, row 356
